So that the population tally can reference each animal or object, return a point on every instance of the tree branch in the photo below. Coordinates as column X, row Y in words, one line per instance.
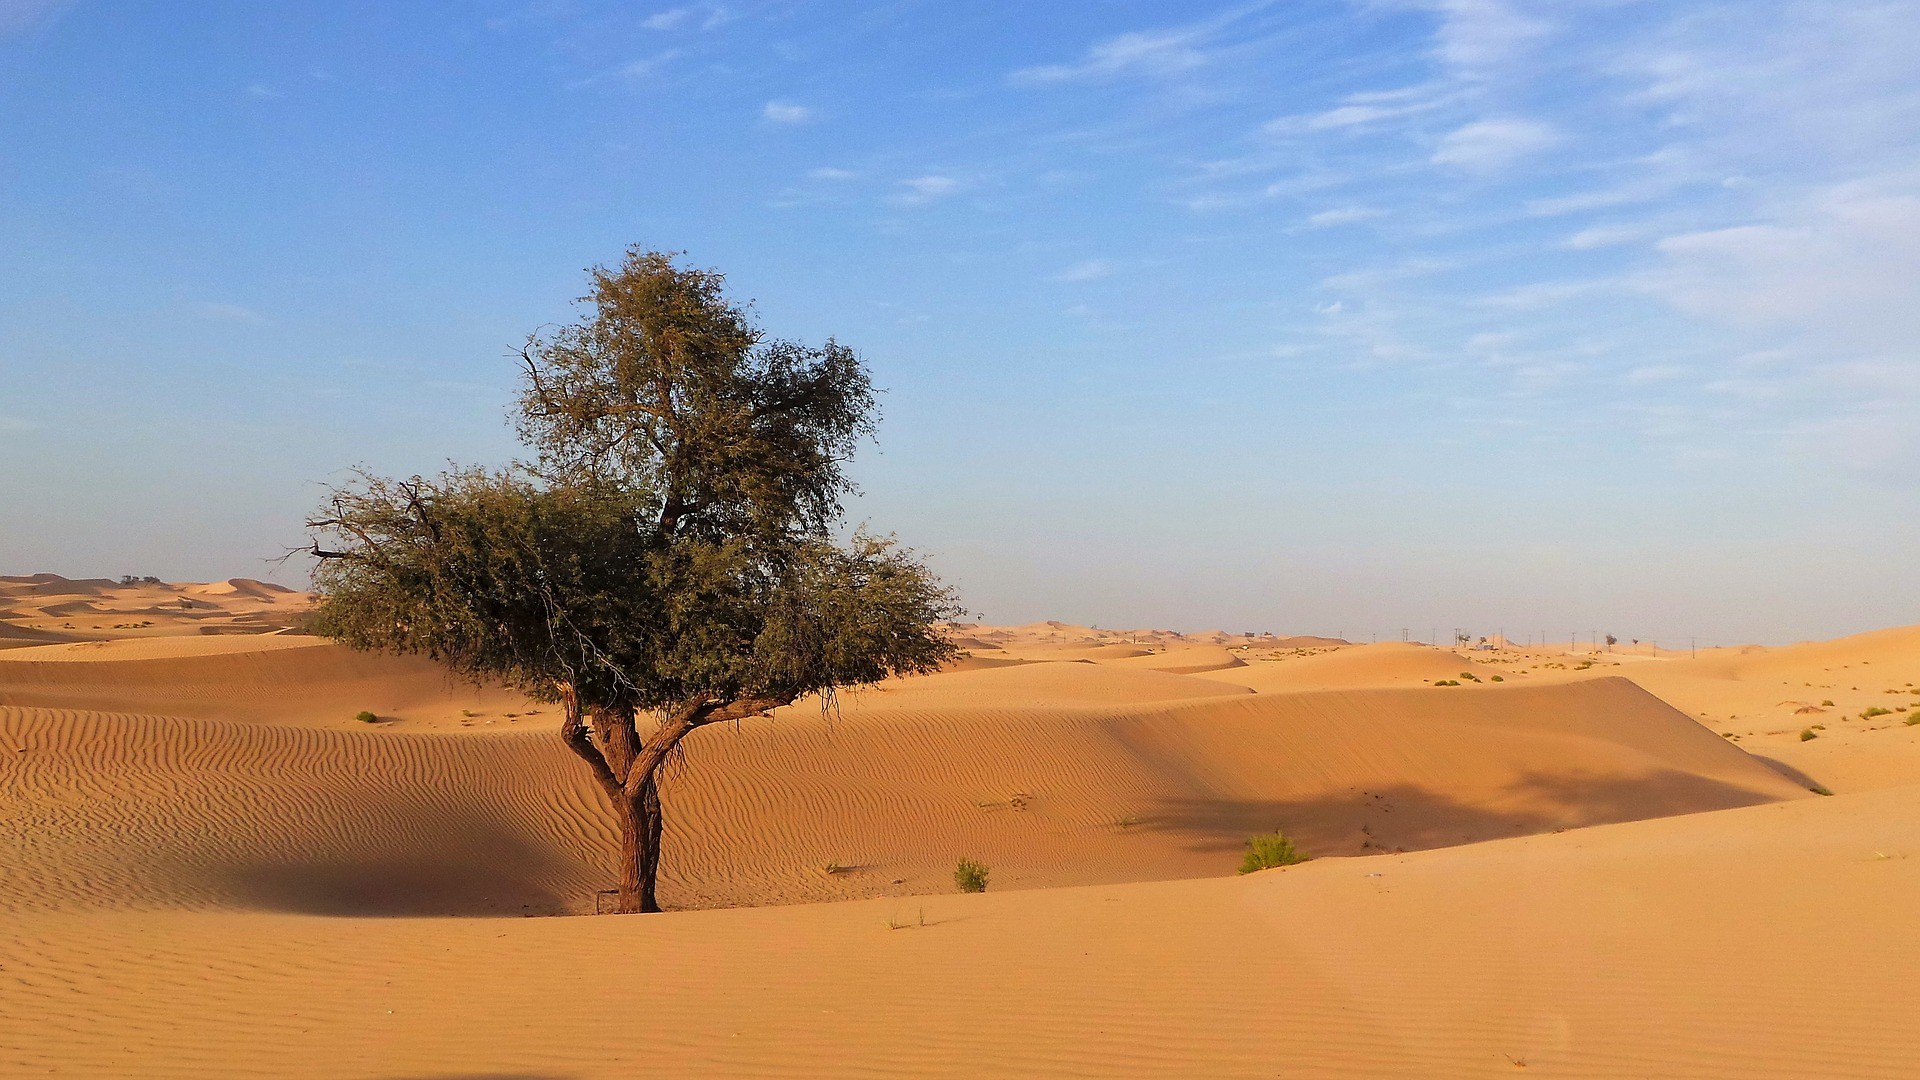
column 573, row 730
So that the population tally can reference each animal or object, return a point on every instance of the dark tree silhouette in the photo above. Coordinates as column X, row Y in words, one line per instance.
column 666, row 561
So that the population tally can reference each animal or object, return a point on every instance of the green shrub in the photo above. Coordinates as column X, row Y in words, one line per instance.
column 1828, row 703
column 1497, row 678
column 366, row 717
column 1268, row 850
column 1807, row 735
column 1912, row 720
column 1873, row 712
column 970, row 876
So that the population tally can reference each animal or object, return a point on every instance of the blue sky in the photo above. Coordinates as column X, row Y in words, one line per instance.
column 1314, row 316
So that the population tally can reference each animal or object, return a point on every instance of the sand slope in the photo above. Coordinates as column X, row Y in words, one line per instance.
column 1759, row 943
column 105, row 810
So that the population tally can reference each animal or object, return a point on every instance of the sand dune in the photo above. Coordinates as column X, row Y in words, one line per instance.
column 203, row 851
column 1765, row 943
column 99, row 608
column 269, row 679
column 105, row 809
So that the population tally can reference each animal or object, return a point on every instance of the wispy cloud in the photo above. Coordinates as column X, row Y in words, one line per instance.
column 1364, row 109
column 920, row 190
column 1087, row 270
column 1160, row 53
column 786, row 112
column 1486, row 146
column 670, row 19
column 1146, row 53
column 19, row 16
column 1345, row 215
column 1477, row 35
column 828, row 172
column 231, row 313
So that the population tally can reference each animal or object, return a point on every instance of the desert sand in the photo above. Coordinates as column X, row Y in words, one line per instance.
column 1525, row 861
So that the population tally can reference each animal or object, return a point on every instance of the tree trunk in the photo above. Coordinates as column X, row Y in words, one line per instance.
column 640, row 832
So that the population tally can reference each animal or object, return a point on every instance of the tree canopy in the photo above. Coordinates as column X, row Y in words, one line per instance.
column 668, row 550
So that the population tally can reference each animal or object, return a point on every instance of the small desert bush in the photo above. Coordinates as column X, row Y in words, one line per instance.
column 1497, row 678
column 1807, row 735
column 1828, row 702
column 1268, row 850
column 1912, row 720
column 1873, row 712
column 970, row 876
column 366, row 717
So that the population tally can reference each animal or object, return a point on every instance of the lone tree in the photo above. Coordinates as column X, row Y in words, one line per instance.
column 665, row 562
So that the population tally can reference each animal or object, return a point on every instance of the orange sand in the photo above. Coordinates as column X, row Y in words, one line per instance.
column 203, row 853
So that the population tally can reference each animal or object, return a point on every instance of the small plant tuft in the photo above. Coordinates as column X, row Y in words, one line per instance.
column 970, row 876
column 1807, row 735
column 1268, row 850
column 366, row 717
column 1496, row 678
column 1876, row 710
column 1828, row 702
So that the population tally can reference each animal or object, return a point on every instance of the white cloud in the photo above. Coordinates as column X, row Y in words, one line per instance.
column 786, row 112
column 1601, row 236
column 1346, row 215
column 647, row 65
column 1154, row 53
column 828, row 172
column 1478, row 35
column 1491, row 145
column 1841, row 273
column 921, row 190
column 1364, row 110
column 669, row 19
column 1087, row 270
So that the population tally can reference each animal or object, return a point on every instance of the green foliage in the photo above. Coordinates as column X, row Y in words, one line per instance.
column 1268, row 850
column 970, row 876
column 366, row 717
column 1828, row 703
column 1912, row 720
column 670, row 543
column 1497, row 678
column 1876, row 710
column 1807, row 735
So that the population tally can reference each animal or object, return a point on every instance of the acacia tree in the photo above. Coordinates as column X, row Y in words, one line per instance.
column 665, row 562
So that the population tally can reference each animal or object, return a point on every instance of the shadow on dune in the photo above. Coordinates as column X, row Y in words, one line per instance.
column 1409, row 818
column 470, row 867
column 1787, row 771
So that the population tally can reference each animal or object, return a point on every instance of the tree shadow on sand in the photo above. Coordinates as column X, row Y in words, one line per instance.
column 471, row 866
